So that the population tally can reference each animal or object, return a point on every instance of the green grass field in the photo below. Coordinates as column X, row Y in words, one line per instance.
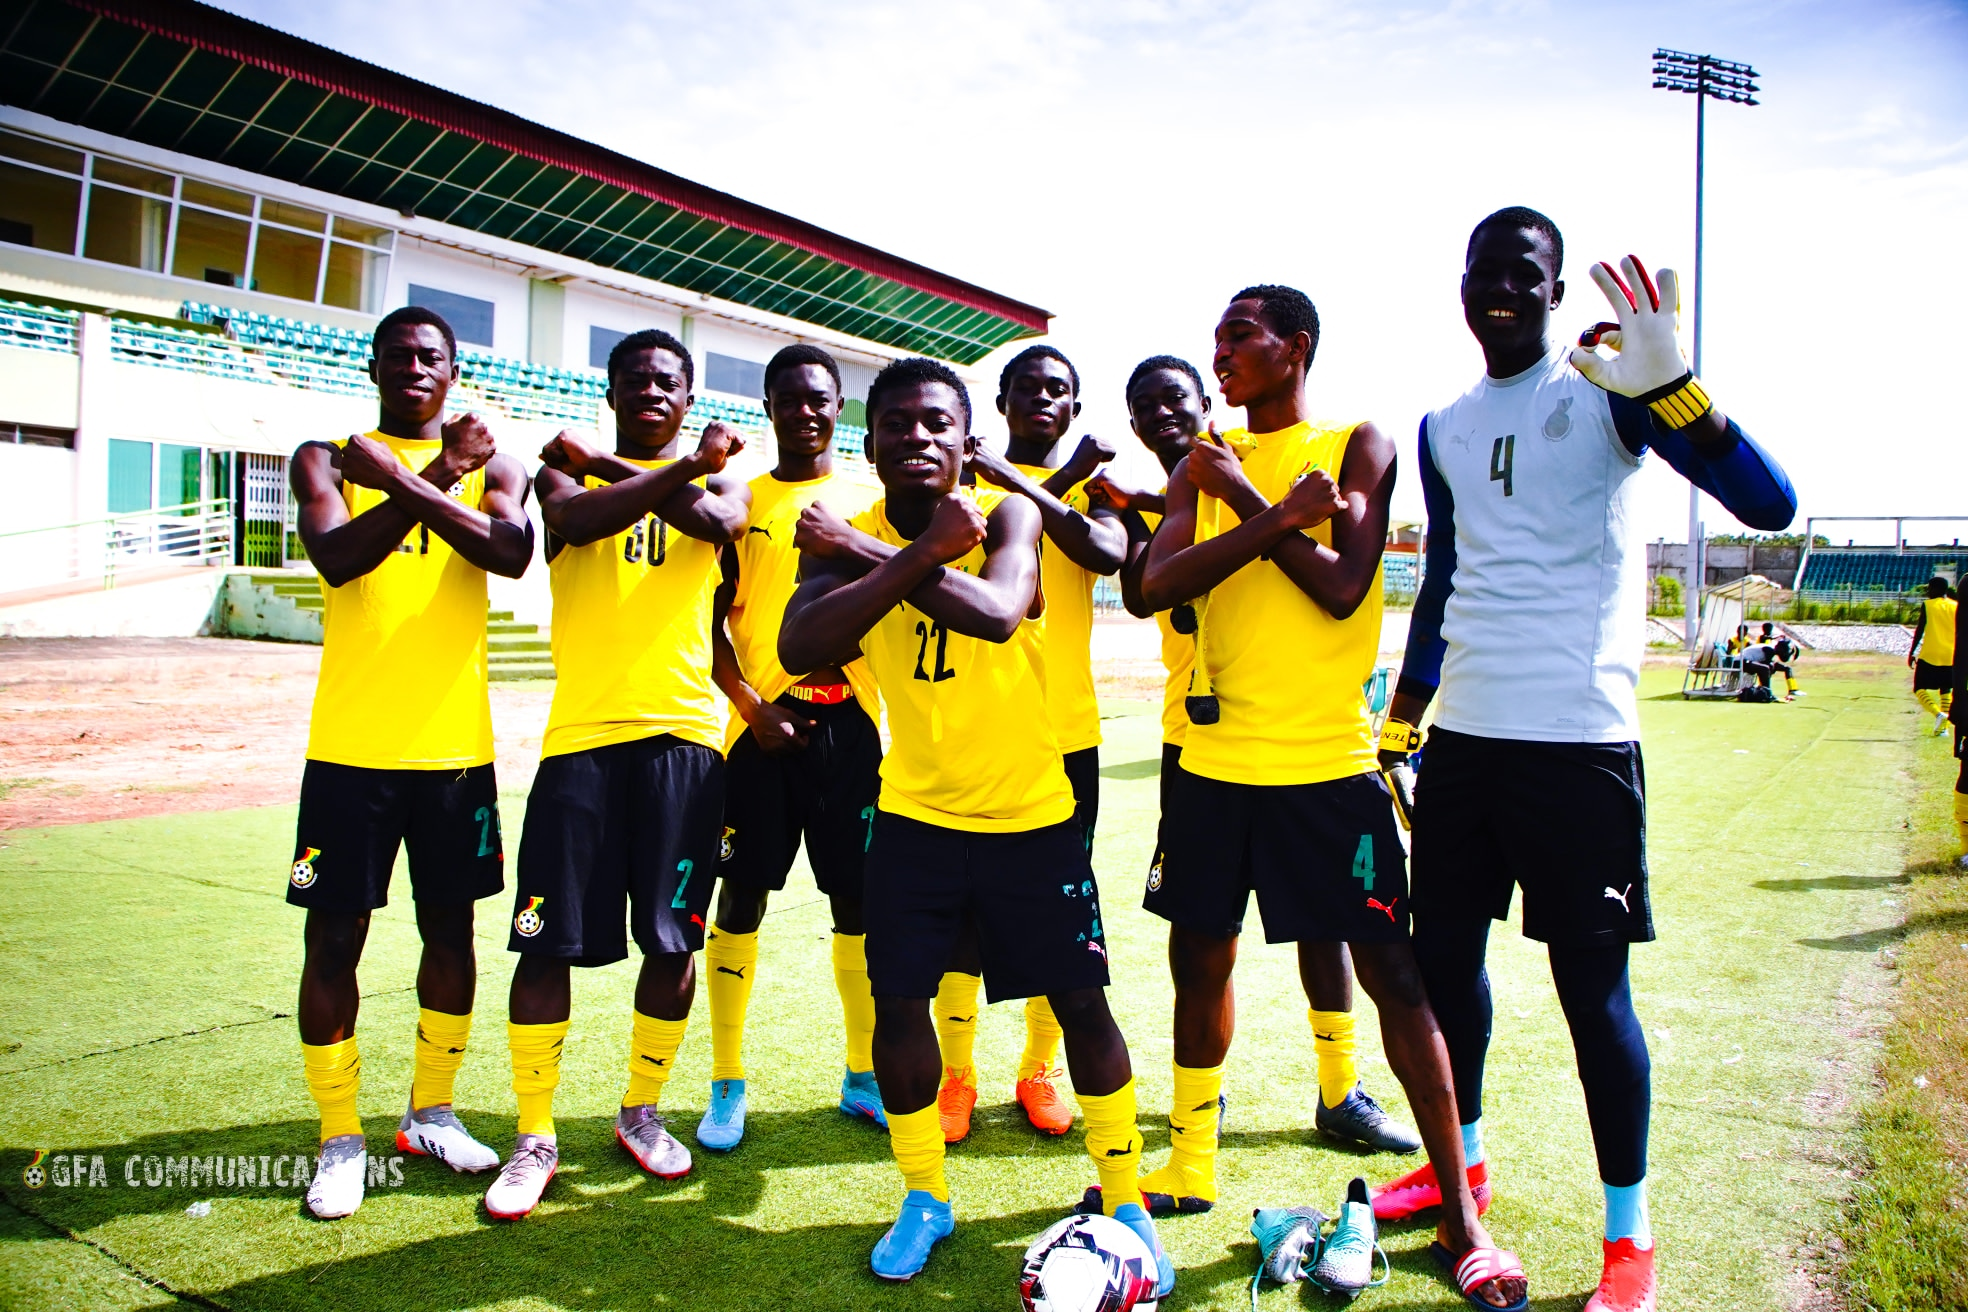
column 148, row 968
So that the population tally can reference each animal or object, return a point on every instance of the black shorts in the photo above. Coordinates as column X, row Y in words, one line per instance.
column 632, row 827
column 825, row 793
column 1325, row 859
column 1566, row 822
column 353, row 819
column 1932, row 678
column 1083, row 772
column 1030, row 895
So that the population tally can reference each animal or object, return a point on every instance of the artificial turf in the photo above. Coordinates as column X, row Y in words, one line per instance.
column 148, row 970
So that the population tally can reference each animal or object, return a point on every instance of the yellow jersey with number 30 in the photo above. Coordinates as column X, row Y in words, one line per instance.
column 402, row 683
column 1287, row 674
column 1937, row 639
column 768, row 573
column 632, row 638
column 971, row 744
column 1069, row 632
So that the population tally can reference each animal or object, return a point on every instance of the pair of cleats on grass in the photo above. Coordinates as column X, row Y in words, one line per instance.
column 641, row 1131
column 1038, row 1097
column 723, row 1126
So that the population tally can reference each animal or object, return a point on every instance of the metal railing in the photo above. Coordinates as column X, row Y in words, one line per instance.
column 198, row 533
column 37, row 327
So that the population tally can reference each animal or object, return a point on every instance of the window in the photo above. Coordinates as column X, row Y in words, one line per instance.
column 38, row 209
column 129, row 476
column 211, row 248
column 37, row 435
column 178, row 475
column 600, row 342
column 727, row 373
column 145, row 219
column 469, row 317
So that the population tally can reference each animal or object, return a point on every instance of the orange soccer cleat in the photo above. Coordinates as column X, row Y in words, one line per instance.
column 955, row 1101
column 1627, row 1285
column 1044, row 1108
column 1419, row 1190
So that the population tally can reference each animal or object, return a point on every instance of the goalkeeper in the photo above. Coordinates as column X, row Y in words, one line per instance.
column 1530, row 627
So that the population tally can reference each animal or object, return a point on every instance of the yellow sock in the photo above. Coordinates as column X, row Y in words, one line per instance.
column 1929, row 701
column 1961, row 820
column 1041, row 1039
column 440, row 1052
column 652, row 1055
column 732, row 961
column 1114, row 1142
column 1191, row 1169
column 1332, row 1041
column 857, row 1002
column 536, row 1072
column 334, row 1074
column 1947, row 701
column 956, row 1019
column 916, row 1138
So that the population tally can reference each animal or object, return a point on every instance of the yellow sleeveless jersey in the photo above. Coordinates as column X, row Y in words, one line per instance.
column 971, row 744
column 402, row 683
column 1179, row 659
column 1937, row 641
column 1068, row 633
column 768, row 572
column 632, row 638
column 1287, row 674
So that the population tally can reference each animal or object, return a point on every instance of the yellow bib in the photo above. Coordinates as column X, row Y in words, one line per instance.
column 632, row 638
column 1287, row 674
column 1068, row 633
column 971, row 745
column 768, row 572
column 1937, row 642
column 1179, row 659
column 402, row 683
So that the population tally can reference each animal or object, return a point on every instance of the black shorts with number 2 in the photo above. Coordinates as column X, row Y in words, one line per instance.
column 353, row 819
column 620, row 835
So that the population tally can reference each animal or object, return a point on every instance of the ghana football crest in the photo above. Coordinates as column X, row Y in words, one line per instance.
column 529, row 921
column 303, row 873
column 36, row 1175
column 724, row 844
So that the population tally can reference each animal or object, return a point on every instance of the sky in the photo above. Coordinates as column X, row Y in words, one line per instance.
column 1129, row 164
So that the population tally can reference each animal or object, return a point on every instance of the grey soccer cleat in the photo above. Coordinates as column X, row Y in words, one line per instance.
column 1361, row 1120
column 339, row 1177
column 437, row 1132
column 517, row 1190
column 649, row 1141
column 1346, row 1264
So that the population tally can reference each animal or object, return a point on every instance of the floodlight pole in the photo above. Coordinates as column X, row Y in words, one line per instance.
column 1703, row 76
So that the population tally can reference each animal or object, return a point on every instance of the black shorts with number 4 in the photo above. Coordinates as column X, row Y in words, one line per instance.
column 824, row 792
column 1324, row 859
column 1031, row 896
column 353, row 820
column 626, row 833
column 1566, row 822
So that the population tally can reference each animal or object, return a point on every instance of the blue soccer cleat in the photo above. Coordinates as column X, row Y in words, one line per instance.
column 904, row 1250
column 1346, row 1265
column 861, row 1096
column 724, row 1120
column 1134, row 1218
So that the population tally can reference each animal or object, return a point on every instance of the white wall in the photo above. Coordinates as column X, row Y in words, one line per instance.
column 37, row 387
column 166, row 608
column 37, row 488
column 502, row 283
column 588, row 306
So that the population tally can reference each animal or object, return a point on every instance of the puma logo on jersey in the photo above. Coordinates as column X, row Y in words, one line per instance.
column 1620, row 897
column 1376, row 904
column 756, row 529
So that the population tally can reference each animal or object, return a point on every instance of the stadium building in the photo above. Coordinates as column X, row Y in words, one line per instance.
column 201, row 218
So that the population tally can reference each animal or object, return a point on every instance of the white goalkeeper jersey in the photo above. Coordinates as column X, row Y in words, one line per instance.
column 1545, row 618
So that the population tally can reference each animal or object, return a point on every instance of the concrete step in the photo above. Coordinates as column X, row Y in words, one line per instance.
column 498, row 646
column 507, row 626
column 513, row 673
column 498, row 616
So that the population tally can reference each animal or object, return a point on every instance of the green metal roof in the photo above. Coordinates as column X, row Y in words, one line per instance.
column 189, row 78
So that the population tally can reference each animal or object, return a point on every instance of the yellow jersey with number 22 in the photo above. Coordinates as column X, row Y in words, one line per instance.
column 971, row 744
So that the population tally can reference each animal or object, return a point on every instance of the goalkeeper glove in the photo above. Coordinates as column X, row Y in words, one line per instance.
column 1648, row 364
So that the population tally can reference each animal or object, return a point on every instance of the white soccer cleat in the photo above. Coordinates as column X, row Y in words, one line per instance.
column 437, row 1132
column 656, row 1150
column 339, row 1177
column 1940, row 723
column 535, row 1158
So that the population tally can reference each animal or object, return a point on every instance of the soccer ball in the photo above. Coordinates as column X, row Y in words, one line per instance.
column 1088, row 1264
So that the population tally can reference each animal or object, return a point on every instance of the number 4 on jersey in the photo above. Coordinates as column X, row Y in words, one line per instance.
column 1503, row 459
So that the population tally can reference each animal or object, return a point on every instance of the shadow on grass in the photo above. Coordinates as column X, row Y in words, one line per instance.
column 1144, row 769
column 1833, row 883
column 1871, row 940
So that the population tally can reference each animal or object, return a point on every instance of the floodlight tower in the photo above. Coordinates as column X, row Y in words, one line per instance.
column 1704, row 77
